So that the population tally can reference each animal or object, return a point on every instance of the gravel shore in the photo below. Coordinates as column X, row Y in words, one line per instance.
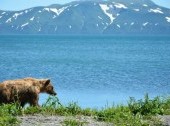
column 45, row 120
column 166, row 120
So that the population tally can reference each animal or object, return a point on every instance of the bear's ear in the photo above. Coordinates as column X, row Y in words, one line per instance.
column 47, row 82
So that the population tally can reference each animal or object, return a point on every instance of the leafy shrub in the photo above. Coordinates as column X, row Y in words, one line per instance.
column 52, row 102
column 146, row 106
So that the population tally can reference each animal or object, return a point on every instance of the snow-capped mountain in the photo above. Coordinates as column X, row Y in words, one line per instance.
column 89, row 17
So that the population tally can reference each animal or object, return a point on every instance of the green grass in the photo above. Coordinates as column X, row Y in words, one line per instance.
column 8, row 114
column 71, row 122
column 141, row 112
column 147, row 106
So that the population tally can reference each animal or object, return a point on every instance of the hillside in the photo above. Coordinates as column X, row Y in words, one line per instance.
column 89, row 17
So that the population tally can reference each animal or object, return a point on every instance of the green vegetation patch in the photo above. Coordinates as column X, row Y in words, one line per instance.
column 71, row 122
column 8, row 113
column 143, row 112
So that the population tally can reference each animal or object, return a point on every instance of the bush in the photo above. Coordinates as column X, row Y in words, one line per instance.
column 146, row 106
column 52, row 102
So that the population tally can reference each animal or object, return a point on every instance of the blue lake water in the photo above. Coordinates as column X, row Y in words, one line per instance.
column 91, row 70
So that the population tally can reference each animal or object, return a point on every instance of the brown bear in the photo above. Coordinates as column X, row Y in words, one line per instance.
column 24, row 90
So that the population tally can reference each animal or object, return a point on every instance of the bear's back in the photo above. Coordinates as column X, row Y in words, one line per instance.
column 25, row 82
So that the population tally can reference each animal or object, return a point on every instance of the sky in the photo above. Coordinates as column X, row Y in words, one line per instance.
column 24, row 4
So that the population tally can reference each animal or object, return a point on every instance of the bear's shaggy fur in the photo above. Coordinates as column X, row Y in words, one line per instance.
column 24, row 90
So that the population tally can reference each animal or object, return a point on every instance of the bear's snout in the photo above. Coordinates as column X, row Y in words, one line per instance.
column 54, row 93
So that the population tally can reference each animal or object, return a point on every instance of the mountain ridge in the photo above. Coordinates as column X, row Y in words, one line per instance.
column 89, row 17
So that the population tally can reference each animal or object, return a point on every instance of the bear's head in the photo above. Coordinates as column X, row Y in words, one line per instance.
column 48, row 87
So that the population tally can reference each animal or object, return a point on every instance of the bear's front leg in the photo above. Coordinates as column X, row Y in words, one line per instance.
column 34, row 103
column 34, row 100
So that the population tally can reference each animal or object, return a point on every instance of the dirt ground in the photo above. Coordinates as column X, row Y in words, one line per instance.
column 166, row 119
column 45, row 120
column 42, row 120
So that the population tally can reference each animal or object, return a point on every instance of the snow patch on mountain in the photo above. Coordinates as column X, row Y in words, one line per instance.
column 157, row 10
column 17, row 14
column 100, row 17
column 26, row 11
column 118, row 25
column 145, row 5
column 47, row 9
column 31, row 19
column 39, row 29
column 3, row 13
column 9, row 20
column 76, row 5
column 55, row 10
column 132, row 23
column 54, row 16
column 119, row 5
column 144, row 24
column 24, row 25
column 168, row 19
column 105, row 9
column 136, row 9
column 17, row 27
